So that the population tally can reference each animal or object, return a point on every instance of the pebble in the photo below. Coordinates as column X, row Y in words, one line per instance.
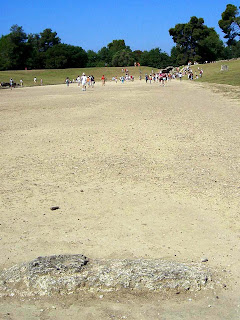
column 204, row 259
column 55, row 208
column 101, row 296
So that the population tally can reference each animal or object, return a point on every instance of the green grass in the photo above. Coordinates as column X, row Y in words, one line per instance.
column 212, row 72
column 57, row 76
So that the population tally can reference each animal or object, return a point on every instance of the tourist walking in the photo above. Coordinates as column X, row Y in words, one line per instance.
column 11, row 83
column 67, row 81
column 84, row 82
column 103, row 80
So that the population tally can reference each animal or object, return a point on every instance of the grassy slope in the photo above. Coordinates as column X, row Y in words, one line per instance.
column 212, row 72
column 56, row 76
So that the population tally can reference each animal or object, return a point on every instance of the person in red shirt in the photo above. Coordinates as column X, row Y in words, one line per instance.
column 103, row 80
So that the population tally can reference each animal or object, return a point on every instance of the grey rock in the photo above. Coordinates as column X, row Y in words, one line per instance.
column 55, row 208
column 67, row 274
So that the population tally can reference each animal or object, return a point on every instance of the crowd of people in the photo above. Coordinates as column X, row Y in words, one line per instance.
column 156, row 77
column 83, row 81
column 192, row 75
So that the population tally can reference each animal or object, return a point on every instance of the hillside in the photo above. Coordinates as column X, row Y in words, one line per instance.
column 213, row 74
column 57, row 76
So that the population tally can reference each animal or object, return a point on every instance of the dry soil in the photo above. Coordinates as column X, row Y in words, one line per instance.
column 138, row 171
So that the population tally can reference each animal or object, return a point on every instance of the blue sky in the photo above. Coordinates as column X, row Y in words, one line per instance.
column 93, row 24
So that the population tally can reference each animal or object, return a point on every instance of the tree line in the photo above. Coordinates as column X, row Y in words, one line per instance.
column 194, row 41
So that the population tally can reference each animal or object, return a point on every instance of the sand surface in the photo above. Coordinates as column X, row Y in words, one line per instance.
column 138, row 171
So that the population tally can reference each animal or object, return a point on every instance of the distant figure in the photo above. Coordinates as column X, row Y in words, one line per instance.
column 78, row 81
column 84, row 82
column 41, row 81
column 35, row 80
column 150, row 78
column 103, row 80
column 21, row 82
column 180, row 76
column 92, row 81
column 67, row 81
column 11, row 83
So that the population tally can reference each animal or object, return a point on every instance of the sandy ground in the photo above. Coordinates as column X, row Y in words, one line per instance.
column 138, row 170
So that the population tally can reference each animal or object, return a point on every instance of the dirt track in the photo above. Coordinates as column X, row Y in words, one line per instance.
column 137, row 171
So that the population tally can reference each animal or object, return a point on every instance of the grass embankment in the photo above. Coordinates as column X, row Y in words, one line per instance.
column 212, row 72
column 57, row 76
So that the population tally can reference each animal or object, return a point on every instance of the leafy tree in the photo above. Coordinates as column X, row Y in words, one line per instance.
column 92, row 58
column 48, row 39
column 13, row 49
column 193, row 40
column 116, row 46
column 210, row 48
column 122, row 58
column 155, row 58
column 36, row 57
column 137, row 55
column 5, row 53
column 104, row 56
column 230, row 24
column 65, row 56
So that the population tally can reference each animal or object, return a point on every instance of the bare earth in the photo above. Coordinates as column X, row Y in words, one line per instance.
column 138, row 171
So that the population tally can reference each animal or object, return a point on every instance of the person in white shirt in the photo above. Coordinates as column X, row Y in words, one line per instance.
column 84, row 82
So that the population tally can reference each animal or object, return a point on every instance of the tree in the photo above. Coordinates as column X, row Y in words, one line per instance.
column 155, row 58
column 5, row 53
column 92, row 58
column 48, row 39
column 65, row 56
column 116, row 46
column 13, row 49
column 104, row 56
column 193, row 38
column 210, row 48
column 122, row 58
column 137, row 55
column 230, row 24
column 36, row 57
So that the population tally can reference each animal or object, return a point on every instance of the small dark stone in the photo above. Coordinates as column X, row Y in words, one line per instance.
column 205, row 260
column 54, row 208
column 81, row 190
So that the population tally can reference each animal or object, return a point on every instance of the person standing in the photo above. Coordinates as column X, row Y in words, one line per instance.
column 67, row 81
column 78, row 80
column 103, row 80
column 92, row 81
column 11, row 83
column 84, row 82
column 35, row 80
column 21, row 82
